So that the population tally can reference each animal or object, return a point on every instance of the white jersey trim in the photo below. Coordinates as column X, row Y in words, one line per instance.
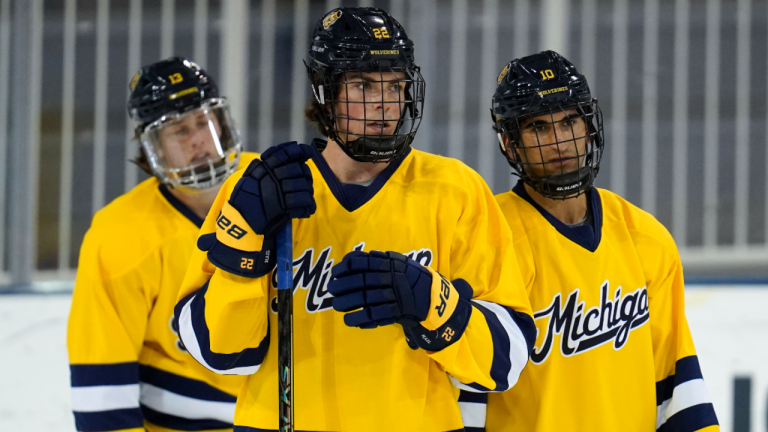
column 105, row 398
column 188, row 337
column 685, row 395
column 518, row 348
column 178, row 405
column 473, row 414
column 461, row 386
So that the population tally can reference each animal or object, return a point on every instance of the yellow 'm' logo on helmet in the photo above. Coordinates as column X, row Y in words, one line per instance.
column 503, row 72
column 134, row 80
column 331, row 18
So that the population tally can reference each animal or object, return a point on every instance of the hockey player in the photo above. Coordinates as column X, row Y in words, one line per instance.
column 387, row 240
column 613, row 350
column 129, row 370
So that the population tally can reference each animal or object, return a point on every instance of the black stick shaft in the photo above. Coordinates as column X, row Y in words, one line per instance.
column 286, row 407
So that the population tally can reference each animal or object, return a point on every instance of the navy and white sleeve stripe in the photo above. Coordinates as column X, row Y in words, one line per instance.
column 106, row 396
column 193, row 331
column 473, row 410
column 181, row 403
column 513, row 334
column 682, row 399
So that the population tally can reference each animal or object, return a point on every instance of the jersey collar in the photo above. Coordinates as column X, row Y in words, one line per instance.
column 565, row 230
column 335, row 186
column 179, row 206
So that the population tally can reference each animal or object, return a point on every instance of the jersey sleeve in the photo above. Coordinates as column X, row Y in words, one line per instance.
column 682, row 400
column 107, row 322
column 494, row 348
column 222, row 318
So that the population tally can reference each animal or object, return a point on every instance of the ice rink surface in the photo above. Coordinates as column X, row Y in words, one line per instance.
column 729, row 325
column 34, row 372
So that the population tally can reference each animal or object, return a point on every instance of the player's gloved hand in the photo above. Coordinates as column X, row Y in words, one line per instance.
column 275, row 189
column 271, row 192
column 378, row 289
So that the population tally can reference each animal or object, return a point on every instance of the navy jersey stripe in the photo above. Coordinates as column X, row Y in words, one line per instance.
column 348, row 202
column 179, row 423
column 473, row 429
column 180, row 206
column 501, row 363
column 590, row 243
column 182, row 385
column 467, row 396
column 104, row 374
column 526, row 325
column 686, row 369
column 691, row 419
column 245, row 358
column 109, row 420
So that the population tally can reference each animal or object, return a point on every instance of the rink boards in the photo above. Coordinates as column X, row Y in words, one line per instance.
column 729, row 326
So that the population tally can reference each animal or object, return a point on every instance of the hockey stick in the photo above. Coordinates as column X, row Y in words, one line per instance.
column 286, row 408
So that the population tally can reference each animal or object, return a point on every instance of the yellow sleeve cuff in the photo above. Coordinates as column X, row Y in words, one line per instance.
column 443, row 303
column 233, row 231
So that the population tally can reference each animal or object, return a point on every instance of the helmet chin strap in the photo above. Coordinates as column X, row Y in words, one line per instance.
column 563, row 186
column 369, row 148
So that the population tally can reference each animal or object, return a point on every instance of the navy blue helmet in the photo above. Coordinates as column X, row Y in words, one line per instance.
column 365, row 48
column 552, row 124
column 168, row 86
column 188, row 138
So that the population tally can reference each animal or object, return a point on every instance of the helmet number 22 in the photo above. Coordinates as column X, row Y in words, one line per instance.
column 547, row 74
column 381, row 33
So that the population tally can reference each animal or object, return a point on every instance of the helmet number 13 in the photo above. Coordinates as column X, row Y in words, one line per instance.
column 381, row 33
column 547, row 74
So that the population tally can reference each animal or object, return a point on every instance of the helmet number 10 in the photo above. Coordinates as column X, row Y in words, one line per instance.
column 547, row 74
column 381, row 33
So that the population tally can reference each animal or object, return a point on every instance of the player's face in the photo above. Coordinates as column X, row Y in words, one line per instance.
column 189, row 139
column 552, row 144
column 370, row 103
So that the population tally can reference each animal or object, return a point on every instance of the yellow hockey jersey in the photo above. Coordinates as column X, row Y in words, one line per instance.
column 129, row 370
column 613, row 350
column 433, row 209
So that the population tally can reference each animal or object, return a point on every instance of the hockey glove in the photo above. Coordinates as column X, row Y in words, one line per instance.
column 271, row 192
column 275, row 189
column 378, row 289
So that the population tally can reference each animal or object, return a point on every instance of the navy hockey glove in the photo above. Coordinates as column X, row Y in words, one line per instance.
column 275, row 189
column 271, row 192
column 378, row 289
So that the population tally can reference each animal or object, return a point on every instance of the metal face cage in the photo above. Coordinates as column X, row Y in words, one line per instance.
column 373, row 114
column 557, row 151
column 194, row 150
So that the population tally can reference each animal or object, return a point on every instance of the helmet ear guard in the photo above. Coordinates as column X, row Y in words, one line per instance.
column 321, row 91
